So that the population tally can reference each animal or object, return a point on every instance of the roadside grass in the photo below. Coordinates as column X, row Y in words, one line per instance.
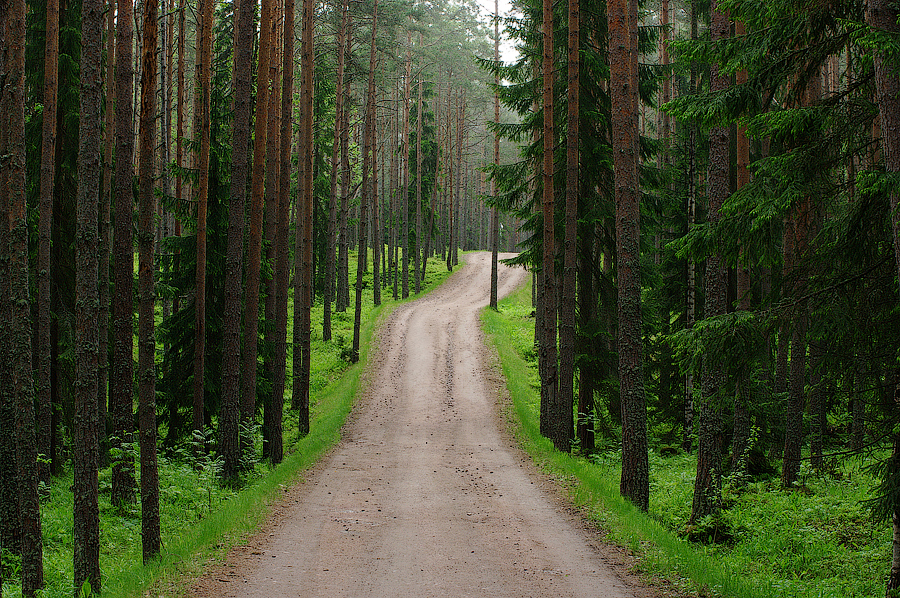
column 817, row 540
column 201, row 518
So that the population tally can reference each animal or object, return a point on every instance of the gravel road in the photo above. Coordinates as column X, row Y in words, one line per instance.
column 426, row 495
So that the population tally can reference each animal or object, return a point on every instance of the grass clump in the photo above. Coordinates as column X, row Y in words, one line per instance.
column 814, row 541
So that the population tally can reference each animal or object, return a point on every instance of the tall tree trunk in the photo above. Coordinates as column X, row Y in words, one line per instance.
column 635, row 482
column 374, row 199
column 273, row 141
column 708, row 482
column 250, row 355
column 303, row 246
column 343, row 294
column 404, row 209
column 45, row 228
column 202, row 107
column 229, row 413
column 495, row 214
column 150, row 534
column 85, row 456
column 565, row 429
column 20, row 310
column 367, row 191
column 282, row 265
column 417, row 278
column 122, row 368
column 740, row 441
column 10, row 537
column 804, row 229
column 335, row 175
column 691, row 292
column 547, row 349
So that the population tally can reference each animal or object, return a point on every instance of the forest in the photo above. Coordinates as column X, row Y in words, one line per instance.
column 205, row 200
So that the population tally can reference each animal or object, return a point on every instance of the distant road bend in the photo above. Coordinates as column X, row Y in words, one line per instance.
column 424, row 496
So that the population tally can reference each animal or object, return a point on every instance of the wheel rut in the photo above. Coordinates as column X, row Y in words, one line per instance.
column 425, row 496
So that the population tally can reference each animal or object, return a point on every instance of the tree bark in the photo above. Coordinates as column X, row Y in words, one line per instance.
column 229, row 413
column 150, row 533
column 335, row 175
column 45, row 228
column 122, row 368
column 202, row 107
column 547, row 348
column 417, row 278
column 282, row 265
column 250, row 355
column 708, row 482
column 303, row 246
column 20, row 312
column 635, row 483
column 495, row 215
column 564, row 433
column 86, row 507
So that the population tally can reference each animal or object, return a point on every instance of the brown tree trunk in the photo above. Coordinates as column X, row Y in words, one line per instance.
column 563, row 434
column 202, row 107
column 740, row 441
column 495, row 215
column 708, row 482
column 691, row 291
column 150, row 534
column 250, row 354
column 85, row 456
column 547, row 348
column 374, row 199
column 635, row 484
column 303, row 247
column 273, row 141
column 45, row 227
column 20, row 311
column 10, row 538
column 417, row 278
column 367, row 191
column 229, row 413
column 282, row 265
column 343, row 292
column 122, row 368
column 404, row 207
column 335, row 175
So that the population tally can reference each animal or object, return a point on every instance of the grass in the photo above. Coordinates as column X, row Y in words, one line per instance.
column 815, row 541
column 201, row 518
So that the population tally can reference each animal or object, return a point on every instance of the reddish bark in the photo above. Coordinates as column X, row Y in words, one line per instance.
column 624, row 97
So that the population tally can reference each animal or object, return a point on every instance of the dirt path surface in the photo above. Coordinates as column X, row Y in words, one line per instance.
column 424, row 496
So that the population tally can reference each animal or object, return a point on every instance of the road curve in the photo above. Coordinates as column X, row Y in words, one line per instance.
column 424, row 496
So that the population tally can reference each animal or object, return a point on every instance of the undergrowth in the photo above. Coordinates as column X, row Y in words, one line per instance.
column 816, row 540
column 201, row 517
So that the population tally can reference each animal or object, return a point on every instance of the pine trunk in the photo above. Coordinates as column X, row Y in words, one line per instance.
column 708, row 482
column 150, row 533
column 547, row 349
column 85, row 456
column 229, row 414
column 250, row 354
column 45, row 228
column 623, row 95
column 202, row 115
column 121, row 388
column 563, row 434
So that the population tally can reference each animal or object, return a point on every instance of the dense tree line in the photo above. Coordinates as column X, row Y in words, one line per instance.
column 735, row 239
column 303, row 131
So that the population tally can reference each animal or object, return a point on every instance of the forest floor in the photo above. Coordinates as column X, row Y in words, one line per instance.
column 426, row 494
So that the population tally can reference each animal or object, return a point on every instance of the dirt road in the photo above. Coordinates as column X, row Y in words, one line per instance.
column 424, row 496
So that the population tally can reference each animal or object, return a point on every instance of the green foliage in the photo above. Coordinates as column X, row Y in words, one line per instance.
column 813, row 541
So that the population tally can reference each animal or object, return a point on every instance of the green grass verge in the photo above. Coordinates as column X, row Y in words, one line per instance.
column 817, row 542
column 200, row 518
